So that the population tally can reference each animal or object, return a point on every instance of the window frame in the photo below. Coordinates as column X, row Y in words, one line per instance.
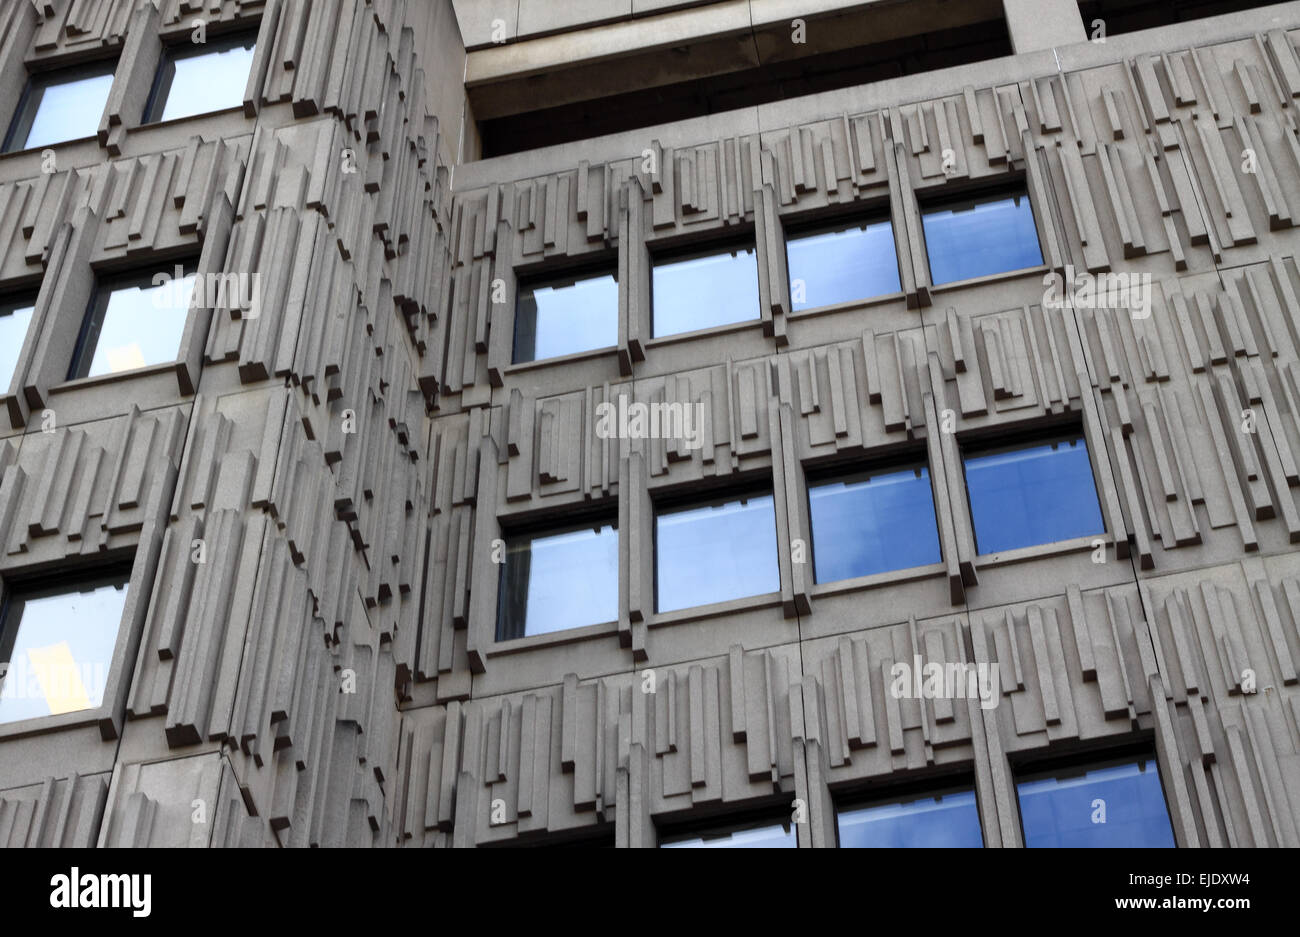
column 16, row 585
column 1025, row 439
column 174, row 51
column 946, row 196
column 25, row 114
column 105, row 285
column 566, row 276
column 840, row 470
column 795, row 229
column 587, row 520
column 733, row 245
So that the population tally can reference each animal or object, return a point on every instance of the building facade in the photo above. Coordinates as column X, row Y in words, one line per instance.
column 644, row 422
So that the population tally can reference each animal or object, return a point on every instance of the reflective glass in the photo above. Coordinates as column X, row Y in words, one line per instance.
column 555, row 581
column 1027, row 495
column 57, row 648
column 134, row 326
column 14, row 320
column 202, row 79
column 704, row 291
column 761, row 835
column 980, row 236
column 716, row 553
column 842, row 265
column 947, row 820
column 564, row 317
column 866, row 524
column 62, row 106
column 1117, row 806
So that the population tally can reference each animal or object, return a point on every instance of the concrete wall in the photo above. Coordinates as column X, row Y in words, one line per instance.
column 349, row 454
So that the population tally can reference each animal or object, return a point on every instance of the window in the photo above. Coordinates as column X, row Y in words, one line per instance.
column 133, row 322
column 557, row 580
column 843, row 263
column 1031, row 493
column 872, row 522
column 948, row 818
column 764, row 833
column 60, row 106
column 201, row 78
column 703, row 290
column 56, row 646
column 1118, row 804
column 715, row 552
column 15, row 317
column 565, row 316
column 980, row 236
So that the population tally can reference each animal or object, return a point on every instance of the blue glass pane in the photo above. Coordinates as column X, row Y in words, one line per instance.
column 981, row 237
column 62, row 651
column 69, row 110
column 940, row 820
column 774, row 836
column 702, row 292
column 1069, row 810
column 141, row 327
column 1032, row 495
column 566, row 318
column 716, row 553
column 873, row 524
column 842, row 266
column 213, row 81
column 13, row 330
column 559, row 581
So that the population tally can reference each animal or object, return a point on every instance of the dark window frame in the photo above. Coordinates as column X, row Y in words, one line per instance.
column 29, row 102
column 589, row 269
column 173, row 52
column 735, row 244
column 92, row 321
column 592, row 519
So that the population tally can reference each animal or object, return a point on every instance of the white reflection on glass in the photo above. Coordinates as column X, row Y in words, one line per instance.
column 703, row 292
column 566, row 317
column 14, row 321
column 68, row 110
column 559, row 581
column 842, row 265
column 947, row 820
column 765, row 836
column 213, row 81
column 716, row 553
column 139, row 327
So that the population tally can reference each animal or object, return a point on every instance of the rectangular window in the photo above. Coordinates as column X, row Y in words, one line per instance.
column 565, row 316
column 980, row 236
column 706, row 289
column 56, row 645
column 842, row 263
column 15, row 318
column 557, row 580
column 201, row 78
column 1031, row 493
column 1115, row 804
column 60, row 106
column 940, row 819
column 764, row 833
column 722, row 550
column 872, row 522
column 133, row 322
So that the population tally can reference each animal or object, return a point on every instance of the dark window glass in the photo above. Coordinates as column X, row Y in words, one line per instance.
column 1024, row 495
column 872, row 523
column 200, row 78
column 716, row 552
column 756, row 834
column 56, row 646
column 60, row 106
column 705, row 290
column 842, row 264
column 941, row 819
column 980, row 236
column 565, row 316
column 558, row 580
column 1117, row 805
column 15, row 317
column 133, row 323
